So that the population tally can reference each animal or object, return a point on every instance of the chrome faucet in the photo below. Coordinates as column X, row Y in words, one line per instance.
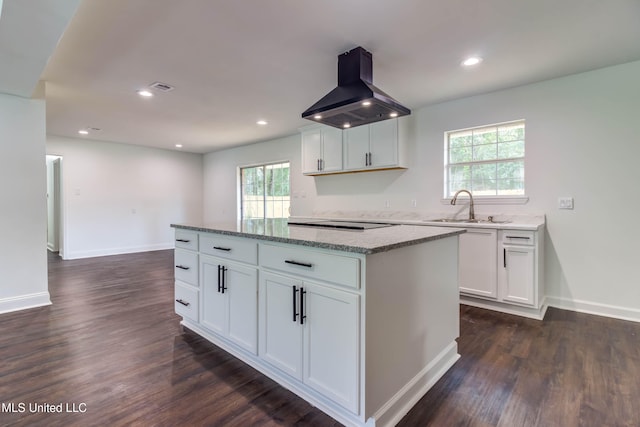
column 472, row 215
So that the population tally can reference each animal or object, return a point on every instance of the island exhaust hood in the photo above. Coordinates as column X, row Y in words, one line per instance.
column 356, row 101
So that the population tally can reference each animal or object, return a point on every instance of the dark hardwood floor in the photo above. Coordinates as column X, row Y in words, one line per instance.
column 111, row 348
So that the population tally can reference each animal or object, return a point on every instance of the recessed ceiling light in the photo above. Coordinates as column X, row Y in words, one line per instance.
column 83, row 132
column 261, row 122
column 145, row 93
column 366, row 103
column 394, row 114
column 317, row 117
column 346, row 125
column 178, row 145
column 471, row 61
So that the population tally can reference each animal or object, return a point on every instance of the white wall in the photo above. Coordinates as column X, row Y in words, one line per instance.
column 122, row 198
column 581, row 141
column 23, row 225
column 221, row 174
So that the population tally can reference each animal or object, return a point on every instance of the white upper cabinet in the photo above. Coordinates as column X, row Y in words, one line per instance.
column 321, row 150
column 370, row 147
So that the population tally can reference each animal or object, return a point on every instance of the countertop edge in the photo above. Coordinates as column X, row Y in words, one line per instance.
column 453, row 231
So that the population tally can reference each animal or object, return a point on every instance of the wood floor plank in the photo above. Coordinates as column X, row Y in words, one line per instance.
column 112, row 341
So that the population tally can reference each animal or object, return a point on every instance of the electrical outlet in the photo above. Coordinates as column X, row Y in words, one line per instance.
column 387, row 204
column 414, row 203
column 565, row 202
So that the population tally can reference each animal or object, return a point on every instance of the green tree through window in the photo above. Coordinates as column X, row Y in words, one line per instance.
column 488, row 160
column 265, row 191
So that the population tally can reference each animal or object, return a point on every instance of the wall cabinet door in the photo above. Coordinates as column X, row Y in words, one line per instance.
column 311, row 332
column 383, row 150
column 230, row 301
column 477, row 262
column 311, row 151
column 280, row 331
column 331, row 343
column 322, row 150
column 356, row 147
column 517, row 274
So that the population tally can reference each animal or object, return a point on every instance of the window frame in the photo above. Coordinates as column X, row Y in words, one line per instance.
column 240, row 189
column 484, row 199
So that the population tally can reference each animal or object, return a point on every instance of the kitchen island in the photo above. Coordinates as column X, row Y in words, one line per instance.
column 358, row 323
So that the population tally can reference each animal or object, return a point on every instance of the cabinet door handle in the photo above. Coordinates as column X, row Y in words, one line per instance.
column 318, row 164
column 302, row 264
column 183, row 240
column 370, row 160
column 295, row 309
column 186, row 304
column 302, row 315
column 219, row 280
column 321, row 164
column 366, row 159
column 224, row 280
column 504, row 257
column 220, row 248
column 182, row 267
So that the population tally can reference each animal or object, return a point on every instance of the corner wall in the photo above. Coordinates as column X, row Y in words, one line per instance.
column 23, row 253
column 121, row 198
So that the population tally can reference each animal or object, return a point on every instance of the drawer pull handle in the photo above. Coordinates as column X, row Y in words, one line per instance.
column 186, row 304
column 302, row 264
column 220, row 248
column 504, row 257
column 182, row 267
column 183, row 240
column 518, row 237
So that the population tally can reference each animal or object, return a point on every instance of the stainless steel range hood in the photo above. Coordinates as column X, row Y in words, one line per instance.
column 356, row 101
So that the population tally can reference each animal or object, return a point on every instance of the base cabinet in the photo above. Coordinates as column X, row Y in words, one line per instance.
column 502, row 270
column 477, row 268
column 230, row 301
column 310, row 332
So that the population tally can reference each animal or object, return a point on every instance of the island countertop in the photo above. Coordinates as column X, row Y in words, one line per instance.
column 357, row 241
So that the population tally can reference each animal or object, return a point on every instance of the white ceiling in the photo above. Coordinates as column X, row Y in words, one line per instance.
column 234, row 62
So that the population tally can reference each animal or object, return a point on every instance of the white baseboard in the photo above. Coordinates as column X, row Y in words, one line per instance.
column 530, row 312
column 399, row 405
column 616, row 312
column 117, row 251
column 24, row 302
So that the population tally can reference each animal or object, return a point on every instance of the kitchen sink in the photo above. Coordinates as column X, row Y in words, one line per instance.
column 466, row 221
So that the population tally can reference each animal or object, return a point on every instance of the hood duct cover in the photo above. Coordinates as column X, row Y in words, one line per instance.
column 356, row 101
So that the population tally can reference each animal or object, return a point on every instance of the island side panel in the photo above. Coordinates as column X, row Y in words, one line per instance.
column 412, row 321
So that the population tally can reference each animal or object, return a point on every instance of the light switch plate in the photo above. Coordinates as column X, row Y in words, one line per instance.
column 565, row 202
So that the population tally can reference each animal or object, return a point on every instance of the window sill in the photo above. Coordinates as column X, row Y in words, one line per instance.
column 491, row 200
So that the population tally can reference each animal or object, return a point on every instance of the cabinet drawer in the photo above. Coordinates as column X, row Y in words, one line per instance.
column 518, row 237
column 186, row 266
column 186, row 301
column 237, row 249
column 187, row 240
column 338, row 269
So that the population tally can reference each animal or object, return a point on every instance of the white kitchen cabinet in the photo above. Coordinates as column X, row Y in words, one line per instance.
column 321, row 150
column 477, row 274
column 517, row 276
column 310, row 332
column 186, row 285
column 374, row 146
column 511, row 278
column 230, row 301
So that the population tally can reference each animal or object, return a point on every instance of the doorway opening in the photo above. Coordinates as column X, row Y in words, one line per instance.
column 54, row 205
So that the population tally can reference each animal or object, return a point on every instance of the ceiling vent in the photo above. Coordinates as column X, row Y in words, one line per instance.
column 162, row 87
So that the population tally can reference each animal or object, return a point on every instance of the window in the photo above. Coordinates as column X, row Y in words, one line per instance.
column 488, row 160
column 265, row 191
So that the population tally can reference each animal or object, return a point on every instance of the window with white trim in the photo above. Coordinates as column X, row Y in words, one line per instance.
column 264, row 191
column 487, row 160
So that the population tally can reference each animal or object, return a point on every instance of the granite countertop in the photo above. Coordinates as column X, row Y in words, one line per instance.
column 357, row 241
